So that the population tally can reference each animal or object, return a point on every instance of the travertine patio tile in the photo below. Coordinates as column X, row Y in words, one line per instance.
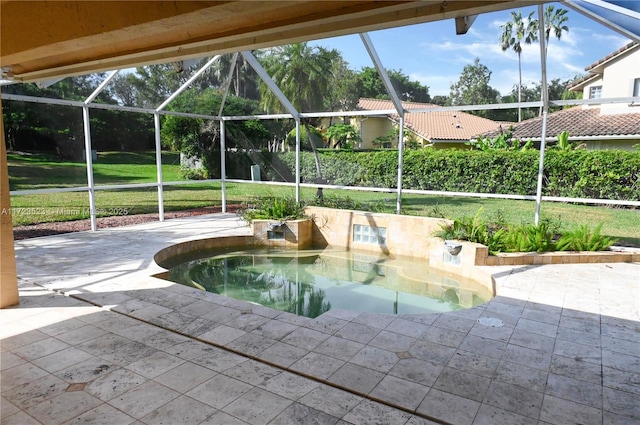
column 81, row 334
column 154, row 365
column 512, row 398
column 219, row 360
column 184, row 377
column 221, row 418
column 558, row 411
column 247, row 322
column 221, row 315
column 621, row 402
column 250, row 344
column 400, row 392
column 182, row 410
column 102, row 415
column 574, row 390
column 300, row 414
column 375, row 358
column 443, row 336
column 432, row 351
column 219, row 391
column 454, row 323
column 63, row 407
column 257, row 406
column 34, row 392
column 542, row 316
column 583, row 352
column 621, row 380
column 253, row 372
column 357, row 378
column 379, row 321
column 190, row 350
column 40, row 348
column 304, row 338
column 289, row 385
column 283, row 354
column 20, row 375
column 222, row 335
column 463, row 384
column 369, row 412
column 357, row 332
column 326, row 324
column 143, row 399
column 339, row 348
column 537, row 327
column 611, row 418
column 524, row 376
column 7, row 408
column 438, row 404
column 317, row 365
column 9, row 360
column 578, row 337
column 274, row 329
column 114, row 383
column 330, row 400
column 491, row 415
column 415, row 370
column 116, row 349
column 532, row 340
column 485, row 346
column 406, row 327
column 621, row 346
column 391, row 341
column 527, row 356
column 20, row 418
column 581, row 324
column 474, row 363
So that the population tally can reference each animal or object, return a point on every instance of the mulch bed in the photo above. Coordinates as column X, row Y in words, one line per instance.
column 48, row 229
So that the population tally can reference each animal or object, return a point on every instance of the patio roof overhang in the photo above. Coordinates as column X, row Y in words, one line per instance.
column 48, row 39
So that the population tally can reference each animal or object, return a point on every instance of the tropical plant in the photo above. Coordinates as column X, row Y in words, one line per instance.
column 584, row 239
column 343, row 136
column 529, row 238
column 304, row 75
column 272, row 208
column 563, row 141
column 514, row 33
column 474, row 229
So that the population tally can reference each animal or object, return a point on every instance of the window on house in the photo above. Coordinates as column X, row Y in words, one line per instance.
column 636, row 87
column 595, row 92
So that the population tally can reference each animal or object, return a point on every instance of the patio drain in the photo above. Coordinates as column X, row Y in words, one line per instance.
column 491, row 322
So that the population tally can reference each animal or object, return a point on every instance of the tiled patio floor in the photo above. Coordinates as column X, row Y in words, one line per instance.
column 122, row 347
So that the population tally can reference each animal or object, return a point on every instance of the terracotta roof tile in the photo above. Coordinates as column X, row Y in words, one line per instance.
column 578, row 122
column 437, row 125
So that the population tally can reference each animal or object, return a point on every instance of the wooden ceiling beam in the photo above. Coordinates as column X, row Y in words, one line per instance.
column 46, row 39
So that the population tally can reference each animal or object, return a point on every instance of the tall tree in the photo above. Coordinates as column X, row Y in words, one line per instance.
column 406, row 89
column 304, row 74
column 554, row 20
column 514, row 33
column 473, row 88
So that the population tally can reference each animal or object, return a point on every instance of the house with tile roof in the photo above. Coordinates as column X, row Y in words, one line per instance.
column 440, row 129
column 597, row 126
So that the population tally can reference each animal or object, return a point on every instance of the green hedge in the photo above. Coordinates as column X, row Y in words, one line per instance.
column 610, row 174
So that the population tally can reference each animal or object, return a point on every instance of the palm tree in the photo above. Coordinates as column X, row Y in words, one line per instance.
column 304, row 74
column 514, row 33
column 554, row 20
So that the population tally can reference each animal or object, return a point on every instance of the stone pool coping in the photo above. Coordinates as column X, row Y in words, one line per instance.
column 566, row 349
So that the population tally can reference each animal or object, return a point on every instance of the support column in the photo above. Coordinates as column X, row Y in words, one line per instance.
column 400, row 163
column 89, row 161
column 156, row 121
column 297, row 160
column 8, row 274
column 223, row 165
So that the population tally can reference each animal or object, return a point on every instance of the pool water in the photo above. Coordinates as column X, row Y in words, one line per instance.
column 313, row 281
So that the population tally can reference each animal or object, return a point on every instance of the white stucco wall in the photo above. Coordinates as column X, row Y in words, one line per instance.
column 617, row 81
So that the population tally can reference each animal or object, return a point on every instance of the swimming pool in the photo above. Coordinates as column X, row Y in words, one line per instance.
column 310, row 282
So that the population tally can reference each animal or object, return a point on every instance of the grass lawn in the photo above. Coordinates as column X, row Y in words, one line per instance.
column 40, row 171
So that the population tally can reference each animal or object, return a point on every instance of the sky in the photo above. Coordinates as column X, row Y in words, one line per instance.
column 434, row 55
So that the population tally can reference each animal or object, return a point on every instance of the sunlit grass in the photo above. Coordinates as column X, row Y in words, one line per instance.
column 113, row 168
